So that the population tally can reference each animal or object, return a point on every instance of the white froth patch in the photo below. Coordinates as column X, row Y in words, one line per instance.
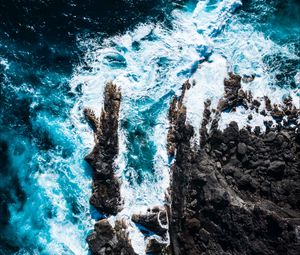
column 65, row 235
column 241, row 117
column 209, row 85
column 211, row 22
column 4, row 62
column 297, row 78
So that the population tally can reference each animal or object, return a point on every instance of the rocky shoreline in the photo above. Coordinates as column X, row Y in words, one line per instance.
column 237, row 192
column 106, row 197
column 240, row 189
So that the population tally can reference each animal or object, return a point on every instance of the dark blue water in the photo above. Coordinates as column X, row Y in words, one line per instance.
column 55, row 57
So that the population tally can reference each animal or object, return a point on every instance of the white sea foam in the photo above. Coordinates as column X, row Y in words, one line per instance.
column 4, row 62
column 209, row 85
column 245, row 50
column 48, row 217
column 150, row 63
column 66, row 237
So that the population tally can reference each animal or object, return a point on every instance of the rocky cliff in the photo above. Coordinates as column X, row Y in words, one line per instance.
column 239, row 192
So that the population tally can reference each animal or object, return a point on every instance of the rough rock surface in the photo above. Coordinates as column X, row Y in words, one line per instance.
column 154, row 225
column 155, row 220
column 110, row 240
column 156, row 247
column 238, row 192
column 106, row 187
column 106, row 239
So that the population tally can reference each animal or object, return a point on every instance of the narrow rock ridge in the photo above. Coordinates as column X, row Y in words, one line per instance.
column 106, row 198
column 106, row 186
column 238, row 192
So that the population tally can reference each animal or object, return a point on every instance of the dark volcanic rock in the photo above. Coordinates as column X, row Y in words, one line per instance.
column 108, row 240
column 154, row 220
column 155, row 247
column 233, row 95
column 106, row 195
column 238, row 193
column 242, row 149
column 154, row 223
column 276, row 168
column 106, row 187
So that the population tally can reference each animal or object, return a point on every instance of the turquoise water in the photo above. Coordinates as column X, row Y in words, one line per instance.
column 45, row 183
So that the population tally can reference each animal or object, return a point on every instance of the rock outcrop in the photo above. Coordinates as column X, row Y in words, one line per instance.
column 239, row 191
column 154, row 220
column 106, row 239
column 106, row 187
column 106, row 198
column 154, row 225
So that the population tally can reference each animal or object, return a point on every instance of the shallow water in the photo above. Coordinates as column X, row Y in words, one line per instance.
column 45, row 183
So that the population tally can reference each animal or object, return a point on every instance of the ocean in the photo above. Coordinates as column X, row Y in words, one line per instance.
column 57, row 56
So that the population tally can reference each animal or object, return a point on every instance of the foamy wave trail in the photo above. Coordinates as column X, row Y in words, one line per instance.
column 241, row 47
column 272, row 61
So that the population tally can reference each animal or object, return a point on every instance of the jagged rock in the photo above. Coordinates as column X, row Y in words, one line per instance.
column 154, row 220
column 106, row 239
column 237, row 193
column 106, row 197
column 232, row 94
column 248, row 203
column 155, row 247
column 106, row 187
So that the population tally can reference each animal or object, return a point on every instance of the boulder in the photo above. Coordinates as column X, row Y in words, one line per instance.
column 155, row 220
column 106, row 239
